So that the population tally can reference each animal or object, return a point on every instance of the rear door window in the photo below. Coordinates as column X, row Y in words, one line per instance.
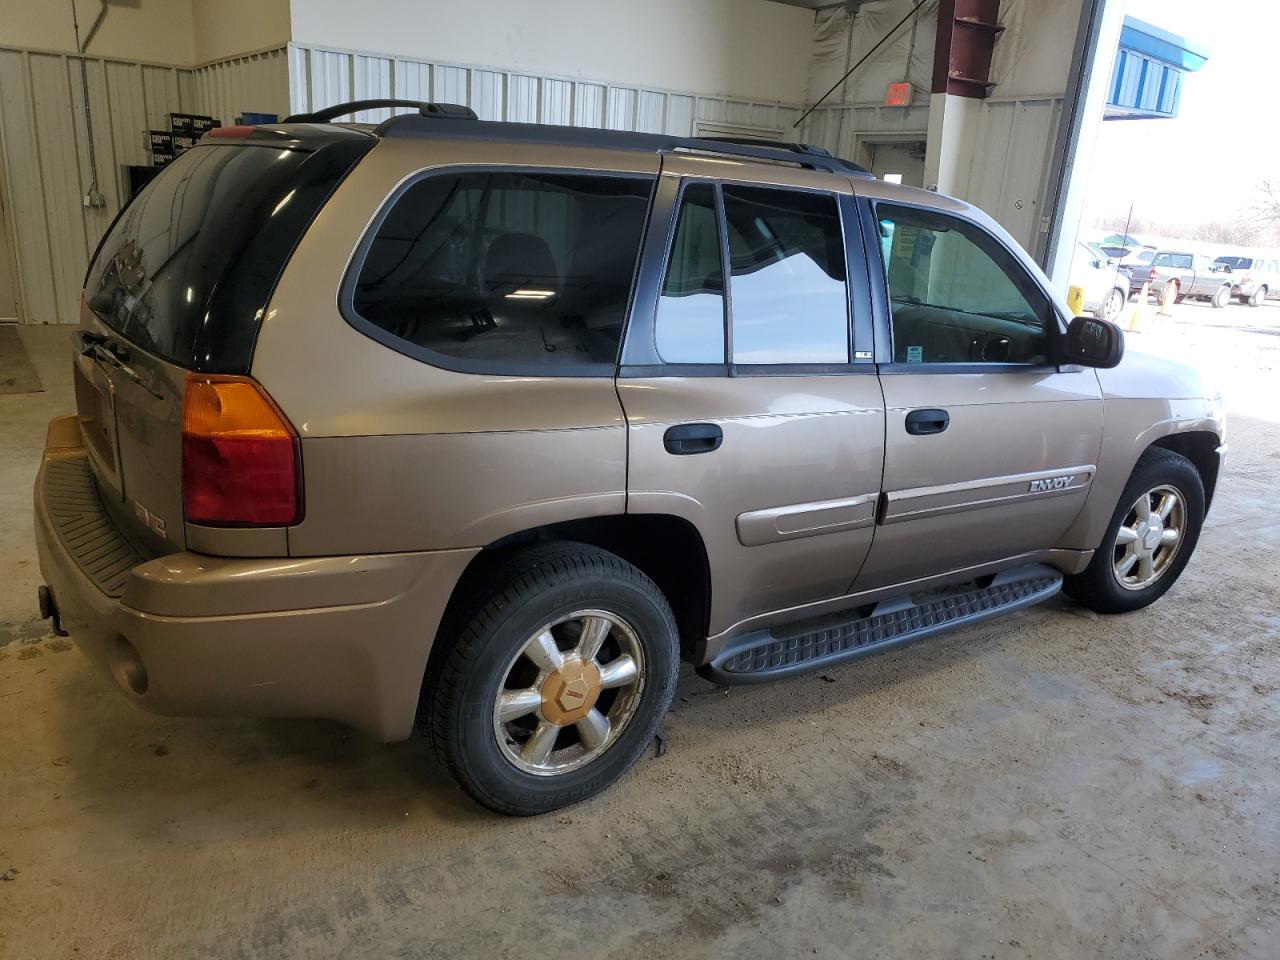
column 788, row 298
column 504, row 271
column 786, row 301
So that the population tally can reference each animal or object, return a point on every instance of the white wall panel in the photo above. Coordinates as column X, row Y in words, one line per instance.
column 523, row 99
column 588, row 105
column 371, row 80
column 450, row 85
column 316, row 80
column 679, row 115
column 557, row 102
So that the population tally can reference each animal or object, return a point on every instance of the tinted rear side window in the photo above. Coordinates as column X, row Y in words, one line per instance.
column 186, row 269
column 504, row 271
column 787, row 283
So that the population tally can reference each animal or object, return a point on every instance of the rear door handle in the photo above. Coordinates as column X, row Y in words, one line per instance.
column 688, row 438
column 922, row 423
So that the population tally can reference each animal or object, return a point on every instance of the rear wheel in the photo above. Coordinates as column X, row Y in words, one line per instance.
column 1258, row 297
column 1152, row 534
column 1221, row 297
column 556, row 681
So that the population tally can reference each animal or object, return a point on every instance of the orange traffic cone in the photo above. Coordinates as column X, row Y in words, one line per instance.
column 1140, row 308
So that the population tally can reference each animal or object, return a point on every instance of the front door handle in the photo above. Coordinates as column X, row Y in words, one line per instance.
column 923, row 423
column 687, row 438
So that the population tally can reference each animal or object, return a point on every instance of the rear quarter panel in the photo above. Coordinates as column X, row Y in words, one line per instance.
column 401, row 455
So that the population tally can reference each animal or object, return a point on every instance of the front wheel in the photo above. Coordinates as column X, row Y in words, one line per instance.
column 1151, row 536
column 1112, row 306
column 556, row 681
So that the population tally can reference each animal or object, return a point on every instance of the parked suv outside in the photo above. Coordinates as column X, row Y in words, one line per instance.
column 486, row 426
column 1254, row 280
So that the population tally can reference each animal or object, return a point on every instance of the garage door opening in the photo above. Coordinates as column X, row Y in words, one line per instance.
column 900, row 162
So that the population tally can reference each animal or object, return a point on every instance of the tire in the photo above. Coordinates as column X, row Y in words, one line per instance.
column 1112, row 306
column 1099, row 587
column 531, row 589
column 1221, row 297
column 1258, row 297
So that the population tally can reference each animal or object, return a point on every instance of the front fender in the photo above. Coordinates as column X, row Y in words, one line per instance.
column 1130, row 427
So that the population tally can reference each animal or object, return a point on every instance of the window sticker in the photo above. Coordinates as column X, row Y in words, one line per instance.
column 915, row 354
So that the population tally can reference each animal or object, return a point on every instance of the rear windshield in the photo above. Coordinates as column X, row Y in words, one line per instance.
column 1182, row 260
column 1236, row 263
column 187, row 267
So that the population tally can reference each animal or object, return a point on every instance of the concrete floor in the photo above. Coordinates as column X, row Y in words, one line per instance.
column 1048, row 785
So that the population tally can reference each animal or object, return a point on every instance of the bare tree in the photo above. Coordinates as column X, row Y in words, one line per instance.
column 1268, row 208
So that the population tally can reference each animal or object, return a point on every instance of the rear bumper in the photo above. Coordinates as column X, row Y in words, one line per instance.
column 339, row 637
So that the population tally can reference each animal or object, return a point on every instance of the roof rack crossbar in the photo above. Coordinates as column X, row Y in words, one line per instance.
column 437, row 111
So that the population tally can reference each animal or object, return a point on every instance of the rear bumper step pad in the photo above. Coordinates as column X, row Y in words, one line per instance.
column 763, row 655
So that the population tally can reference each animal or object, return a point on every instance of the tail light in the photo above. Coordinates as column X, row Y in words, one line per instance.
column 241, row 459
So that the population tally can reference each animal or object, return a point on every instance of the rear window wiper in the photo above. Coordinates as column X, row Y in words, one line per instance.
column 97, row 347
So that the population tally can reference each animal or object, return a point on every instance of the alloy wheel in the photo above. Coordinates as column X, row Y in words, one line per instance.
column 569, row 693
column 1149, row 538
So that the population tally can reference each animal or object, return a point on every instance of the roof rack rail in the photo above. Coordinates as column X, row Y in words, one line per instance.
column 407, row 126
column 782, row 151
column 437, row 111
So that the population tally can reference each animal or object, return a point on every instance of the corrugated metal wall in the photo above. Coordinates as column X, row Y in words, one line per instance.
column 1010, row 162
column 256, row 83
column 320, row 77
column 46, row 155
column 842, row 129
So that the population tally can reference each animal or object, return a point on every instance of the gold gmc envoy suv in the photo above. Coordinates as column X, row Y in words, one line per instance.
column 484, row 427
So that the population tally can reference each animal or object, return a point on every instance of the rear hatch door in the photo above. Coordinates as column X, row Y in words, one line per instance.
column 178, row 286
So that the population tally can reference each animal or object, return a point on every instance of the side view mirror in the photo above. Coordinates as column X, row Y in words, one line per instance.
column 1093, row 343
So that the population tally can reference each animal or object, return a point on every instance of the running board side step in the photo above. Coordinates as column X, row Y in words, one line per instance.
column 784, row 650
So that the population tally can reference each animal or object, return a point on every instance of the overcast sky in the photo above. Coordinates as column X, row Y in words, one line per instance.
column 1208, row 160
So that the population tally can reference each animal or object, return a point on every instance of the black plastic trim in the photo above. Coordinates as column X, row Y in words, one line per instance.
column 498, row 368
column 891, row 369
column 639, row 371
